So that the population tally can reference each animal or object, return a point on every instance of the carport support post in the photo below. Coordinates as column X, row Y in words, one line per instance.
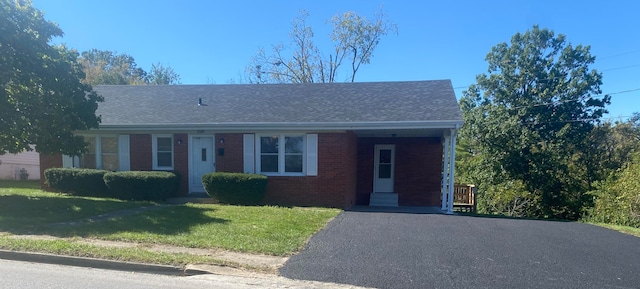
column 452, row 168
column 444, row 190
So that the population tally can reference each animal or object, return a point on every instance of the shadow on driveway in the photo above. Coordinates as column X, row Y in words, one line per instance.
column 414, row 249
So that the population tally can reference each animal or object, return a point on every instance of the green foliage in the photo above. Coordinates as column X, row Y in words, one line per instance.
column 162, row 75
column 107, row 67
column 236, row 188
column 142, row 185
column 354, row 37
column 79, row 182
column 509, row 198
column 527, row 123
column 613, row 147
column 617, row 199
column 42, row 99
column 103, row 67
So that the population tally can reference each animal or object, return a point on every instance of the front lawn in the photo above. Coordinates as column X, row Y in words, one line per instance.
column 24, row 208
column 254, row 229
column 268, row 230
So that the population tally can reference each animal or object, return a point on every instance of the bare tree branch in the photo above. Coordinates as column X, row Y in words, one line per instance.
column 353, row 36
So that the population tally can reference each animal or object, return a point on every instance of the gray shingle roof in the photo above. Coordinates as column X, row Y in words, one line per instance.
column 335, row 103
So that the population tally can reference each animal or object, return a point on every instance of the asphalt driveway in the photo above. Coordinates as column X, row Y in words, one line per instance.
column 408, row 250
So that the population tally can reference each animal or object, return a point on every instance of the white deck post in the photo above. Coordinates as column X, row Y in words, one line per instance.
column 445, row 171
column 452, row 169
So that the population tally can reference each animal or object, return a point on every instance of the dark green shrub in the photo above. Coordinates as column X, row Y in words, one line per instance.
column 236, row 188
column 79, row 182
column 142, row 185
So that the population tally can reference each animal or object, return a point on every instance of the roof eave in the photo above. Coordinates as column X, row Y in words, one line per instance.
column 287, row 126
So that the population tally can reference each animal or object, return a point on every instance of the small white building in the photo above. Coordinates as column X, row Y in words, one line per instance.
column 22, row 166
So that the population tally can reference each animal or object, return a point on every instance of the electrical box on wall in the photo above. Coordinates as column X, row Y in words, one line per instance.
column 220, row 152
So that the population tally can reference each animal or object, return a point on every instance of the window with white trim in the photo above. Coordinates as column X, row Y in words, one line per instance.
column 109, row 152
column 281, row 154
column 89, row 159
column 162, row 152
column 102, row 153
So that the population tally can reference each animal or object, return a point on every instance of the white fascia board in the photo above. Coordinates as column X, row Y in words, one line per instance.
column 260, row 127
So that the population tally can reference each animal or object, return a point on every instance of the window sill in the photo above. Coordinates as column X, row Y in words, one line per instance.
column 163, row 168
column 284, row 174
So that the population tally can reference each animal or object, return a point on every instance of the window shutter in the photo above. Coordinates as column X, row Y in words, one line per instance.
column 249, row 154
column 124, row 161
column 67, row 161
column 312, row 155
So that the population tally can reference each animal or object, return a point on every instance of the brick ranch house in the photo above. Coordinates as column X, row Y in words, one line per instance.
column 335, row 144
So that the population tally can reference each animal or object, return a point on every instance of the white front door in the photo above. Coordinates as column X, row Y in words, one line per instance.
column 202, row 161
column 384, row 166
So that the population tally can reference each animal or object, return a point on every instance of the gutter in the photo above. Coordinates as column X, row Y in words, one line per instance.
column 282, row 126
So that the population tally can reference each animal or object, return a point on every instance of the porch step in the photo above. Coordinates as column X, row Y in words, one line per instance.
column 383, row 200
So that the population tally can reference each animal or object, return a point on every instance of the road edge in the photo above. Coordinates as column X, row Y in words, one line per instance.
column 98, row 263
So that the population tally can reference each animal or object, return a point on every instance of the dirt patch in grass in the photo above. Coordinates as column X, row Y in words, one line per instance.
column 252, row 262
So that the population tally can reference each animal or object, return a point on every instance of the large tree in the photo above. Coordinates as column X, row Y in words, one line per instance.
column 162, row 75
column 42, row 100
column 112, row 68
column 527, row 121
column 354, row 39
column 109, row 67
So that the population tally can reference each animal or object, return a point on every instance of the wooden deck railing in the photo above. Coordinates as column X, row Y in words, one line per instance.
column 464, row 197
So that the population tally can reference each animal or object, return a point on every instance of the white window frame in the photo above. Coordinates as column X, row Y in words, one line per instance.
column 99, row 154
column 281, row 154
column 122, row 153
column 154, row 149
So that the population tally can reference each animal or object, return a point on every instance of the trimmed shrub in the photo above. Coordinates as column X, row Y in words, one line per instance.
column 79, row 182
column 142, row 185
column 236, row 188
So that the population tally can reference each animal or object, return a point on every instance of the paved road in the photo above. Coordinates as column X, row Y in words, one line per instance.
column 400, row 250
column 26, row 275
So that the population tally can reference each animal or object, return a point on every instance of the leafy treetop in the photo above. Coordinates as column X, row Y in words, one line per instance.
column 42, row 100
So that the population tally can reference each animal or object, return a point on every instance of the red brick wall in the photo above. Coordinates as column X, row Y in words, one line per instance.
column 48, row 161
column 140, row 152
column 335, row 184
column 418, row 165
column 181, row 161
column 232, row 160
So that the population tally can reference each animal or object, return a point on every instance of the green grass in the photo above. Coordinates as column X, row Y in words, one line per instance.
column 24, row 208
column 254, row 229
column 619, row 228
column 20, row 185
column 135, row 254
column 280, row 231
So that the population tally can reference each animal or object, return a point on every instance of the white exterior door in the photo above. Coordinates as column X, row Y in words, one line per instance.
column 202, row 161
column 384, row 160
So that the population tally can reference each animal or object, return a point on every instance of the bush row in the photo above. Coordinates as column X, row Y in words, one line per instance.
column 139, row 185
column 236, row 188
column 130, row 185
column 80, row 182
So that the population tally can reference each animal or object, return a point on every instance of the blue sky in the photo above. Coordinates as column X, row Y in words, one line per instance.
column 212, row 41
